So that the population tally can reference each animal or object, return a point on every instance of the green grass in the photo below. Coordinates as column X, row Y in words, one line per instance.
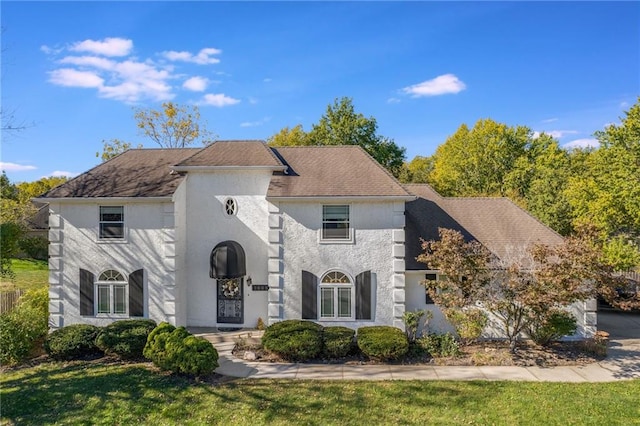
column 91, row 393
column 30, row 274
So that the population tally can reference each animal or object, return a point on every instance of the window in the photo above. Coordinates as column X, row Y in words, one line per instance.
column 430, row 278
column 336, row 296
column 111, row 222
column 111, row 293
column 335, row 222
column 230, row 207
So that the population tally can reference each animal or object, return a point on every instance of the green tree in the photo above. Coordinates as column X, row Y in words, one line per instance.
column 341, row 125
column 417, row 170
column 475, row 162
column 295, row 136
column 607, row 192
column 114, row 147
column 29, row 190
column 173, row 126
column 8, row 190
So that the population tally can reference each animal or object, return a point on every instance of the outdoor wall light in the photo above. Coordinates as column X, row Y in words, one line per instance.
column 249, row 282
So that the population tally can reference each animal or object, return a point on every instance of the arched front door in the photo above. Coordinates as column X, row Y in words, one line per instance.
column 228, row 268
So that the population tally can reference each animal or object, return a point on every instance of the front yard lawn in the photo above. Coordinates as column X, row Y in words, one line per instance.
column 95, row 393
column 30, row 274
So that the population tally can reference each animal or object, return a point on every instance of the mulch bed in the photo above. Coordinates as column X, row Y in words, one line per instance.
column 489, row 352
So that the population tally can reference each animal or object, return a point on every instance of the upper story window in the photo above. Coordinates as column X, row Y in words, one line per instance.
column 336, row 297
column 230, row 207
column 335, row 222
column 111, row 222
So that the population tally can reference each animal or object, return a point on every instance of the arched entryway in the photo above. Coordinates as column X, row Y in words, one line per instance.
column 228, row 268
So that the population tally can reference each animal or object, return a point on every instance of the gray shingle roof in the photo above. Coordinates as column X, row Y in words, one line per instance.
column 497, row 223
column 331, row 171
column 134, row 173
column 234, row 154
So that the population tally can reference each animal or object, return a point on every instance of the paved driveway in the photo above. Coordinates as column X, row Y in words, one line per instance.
column 620, row 325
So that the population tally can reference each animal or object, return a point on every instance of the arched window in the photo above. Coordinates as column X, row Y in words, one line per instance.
column 336, row 296
column 111, row 293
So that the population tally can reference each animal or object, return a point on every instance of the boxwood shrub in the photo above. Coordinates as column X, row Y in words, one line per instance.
column 294, row 340
column 177, row 350
column 337, row 341
column 125, row 339
column 72, row 342
column 382, row 342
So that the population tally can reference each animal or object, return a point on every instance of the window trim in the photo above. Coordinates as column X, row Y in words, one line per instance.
column 336, row 298
column 350, row 237
column 225, row 212
column 116, row 240
column 102, row 283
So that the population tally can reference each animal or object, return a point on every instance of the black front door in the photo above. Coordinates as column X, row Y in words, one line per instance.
column 230, row 301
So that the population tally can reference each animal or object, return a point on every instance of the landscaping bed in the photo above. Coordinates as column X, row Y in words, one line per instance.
column 487, row 352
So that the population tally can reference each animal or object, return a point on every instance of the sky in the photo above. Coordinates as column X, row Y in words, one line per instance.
column 75, row 71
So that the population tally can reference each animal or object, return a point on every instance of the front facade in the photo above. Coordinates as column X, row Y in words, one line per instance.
column 236, row 232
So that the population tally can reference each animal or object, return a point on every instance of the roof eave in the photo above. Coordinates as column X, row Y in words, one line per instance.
column 223, row 168
column 342, row 198
column 80, row 200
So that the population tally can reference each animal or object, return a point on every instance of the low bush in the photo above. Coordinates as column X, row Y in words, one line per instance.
column 337, row 342
column 72, row 342
column 440, row 345
column 382, row 342
column 23, row 329
column 552, row 326
column 412, row 320
column 177, row 350
column 469, row 324
column 125, row 339
column 295, row 340
column 156, row 346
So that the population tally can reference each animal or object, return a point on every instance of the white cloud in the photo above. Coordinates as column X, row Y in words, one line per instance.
column 252, row 100
column 441, row 85
column 255, row 123
column 110, row 46
column 218, row 100
column 549, row 120
column 51, row 50
column 556, row 134
column 393, row 101
column 582, row 143
column 13, row 167
column 60, row 173
column 89, row 61
column 73, row 78
column 267, row 80
column 196, row 84
column 203, row 57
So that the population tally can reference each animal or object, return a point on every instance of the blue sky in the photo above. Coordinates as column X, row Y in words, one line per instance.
column 76, row 69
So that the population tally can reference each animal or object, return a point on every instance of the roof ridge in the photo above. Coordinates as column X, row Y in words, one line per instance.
column 384, row 169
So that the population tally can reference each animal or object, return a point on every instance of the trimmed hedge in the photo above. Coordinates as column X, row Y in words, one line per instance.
column 382, row 342
column 177, row 350
column 295, row 340
column 72, row 342
column 125, row 339
column 337, row 342
column 24, row 328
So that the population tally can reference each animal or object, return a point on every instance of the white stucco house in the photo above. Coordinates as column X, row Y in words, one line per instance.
column 223, row 235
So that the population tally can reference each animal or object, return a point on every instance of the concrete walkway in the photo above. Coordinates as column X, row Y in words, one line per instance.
column 622, row 362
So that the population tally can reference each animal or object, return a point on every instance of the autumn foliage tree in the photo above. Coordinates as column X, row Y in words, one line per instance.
column 522, row 289
column 173, row 126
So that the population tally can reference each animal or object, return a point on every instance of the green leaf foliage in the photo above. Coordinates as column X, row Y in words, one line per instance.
column 295, row 340
column 337, row 342
column 72, row 342
column 382, row 342
column 125, row 339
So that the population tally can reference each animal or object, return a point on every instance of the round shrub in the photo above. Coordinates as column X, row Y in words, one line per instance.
column 295, row 340
column 382, row 342
column 177, row 350
column 72, row 342
column 125, row 339
column 552, row 326
column 337, row 341
column 155, row 349
column 440, row 345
